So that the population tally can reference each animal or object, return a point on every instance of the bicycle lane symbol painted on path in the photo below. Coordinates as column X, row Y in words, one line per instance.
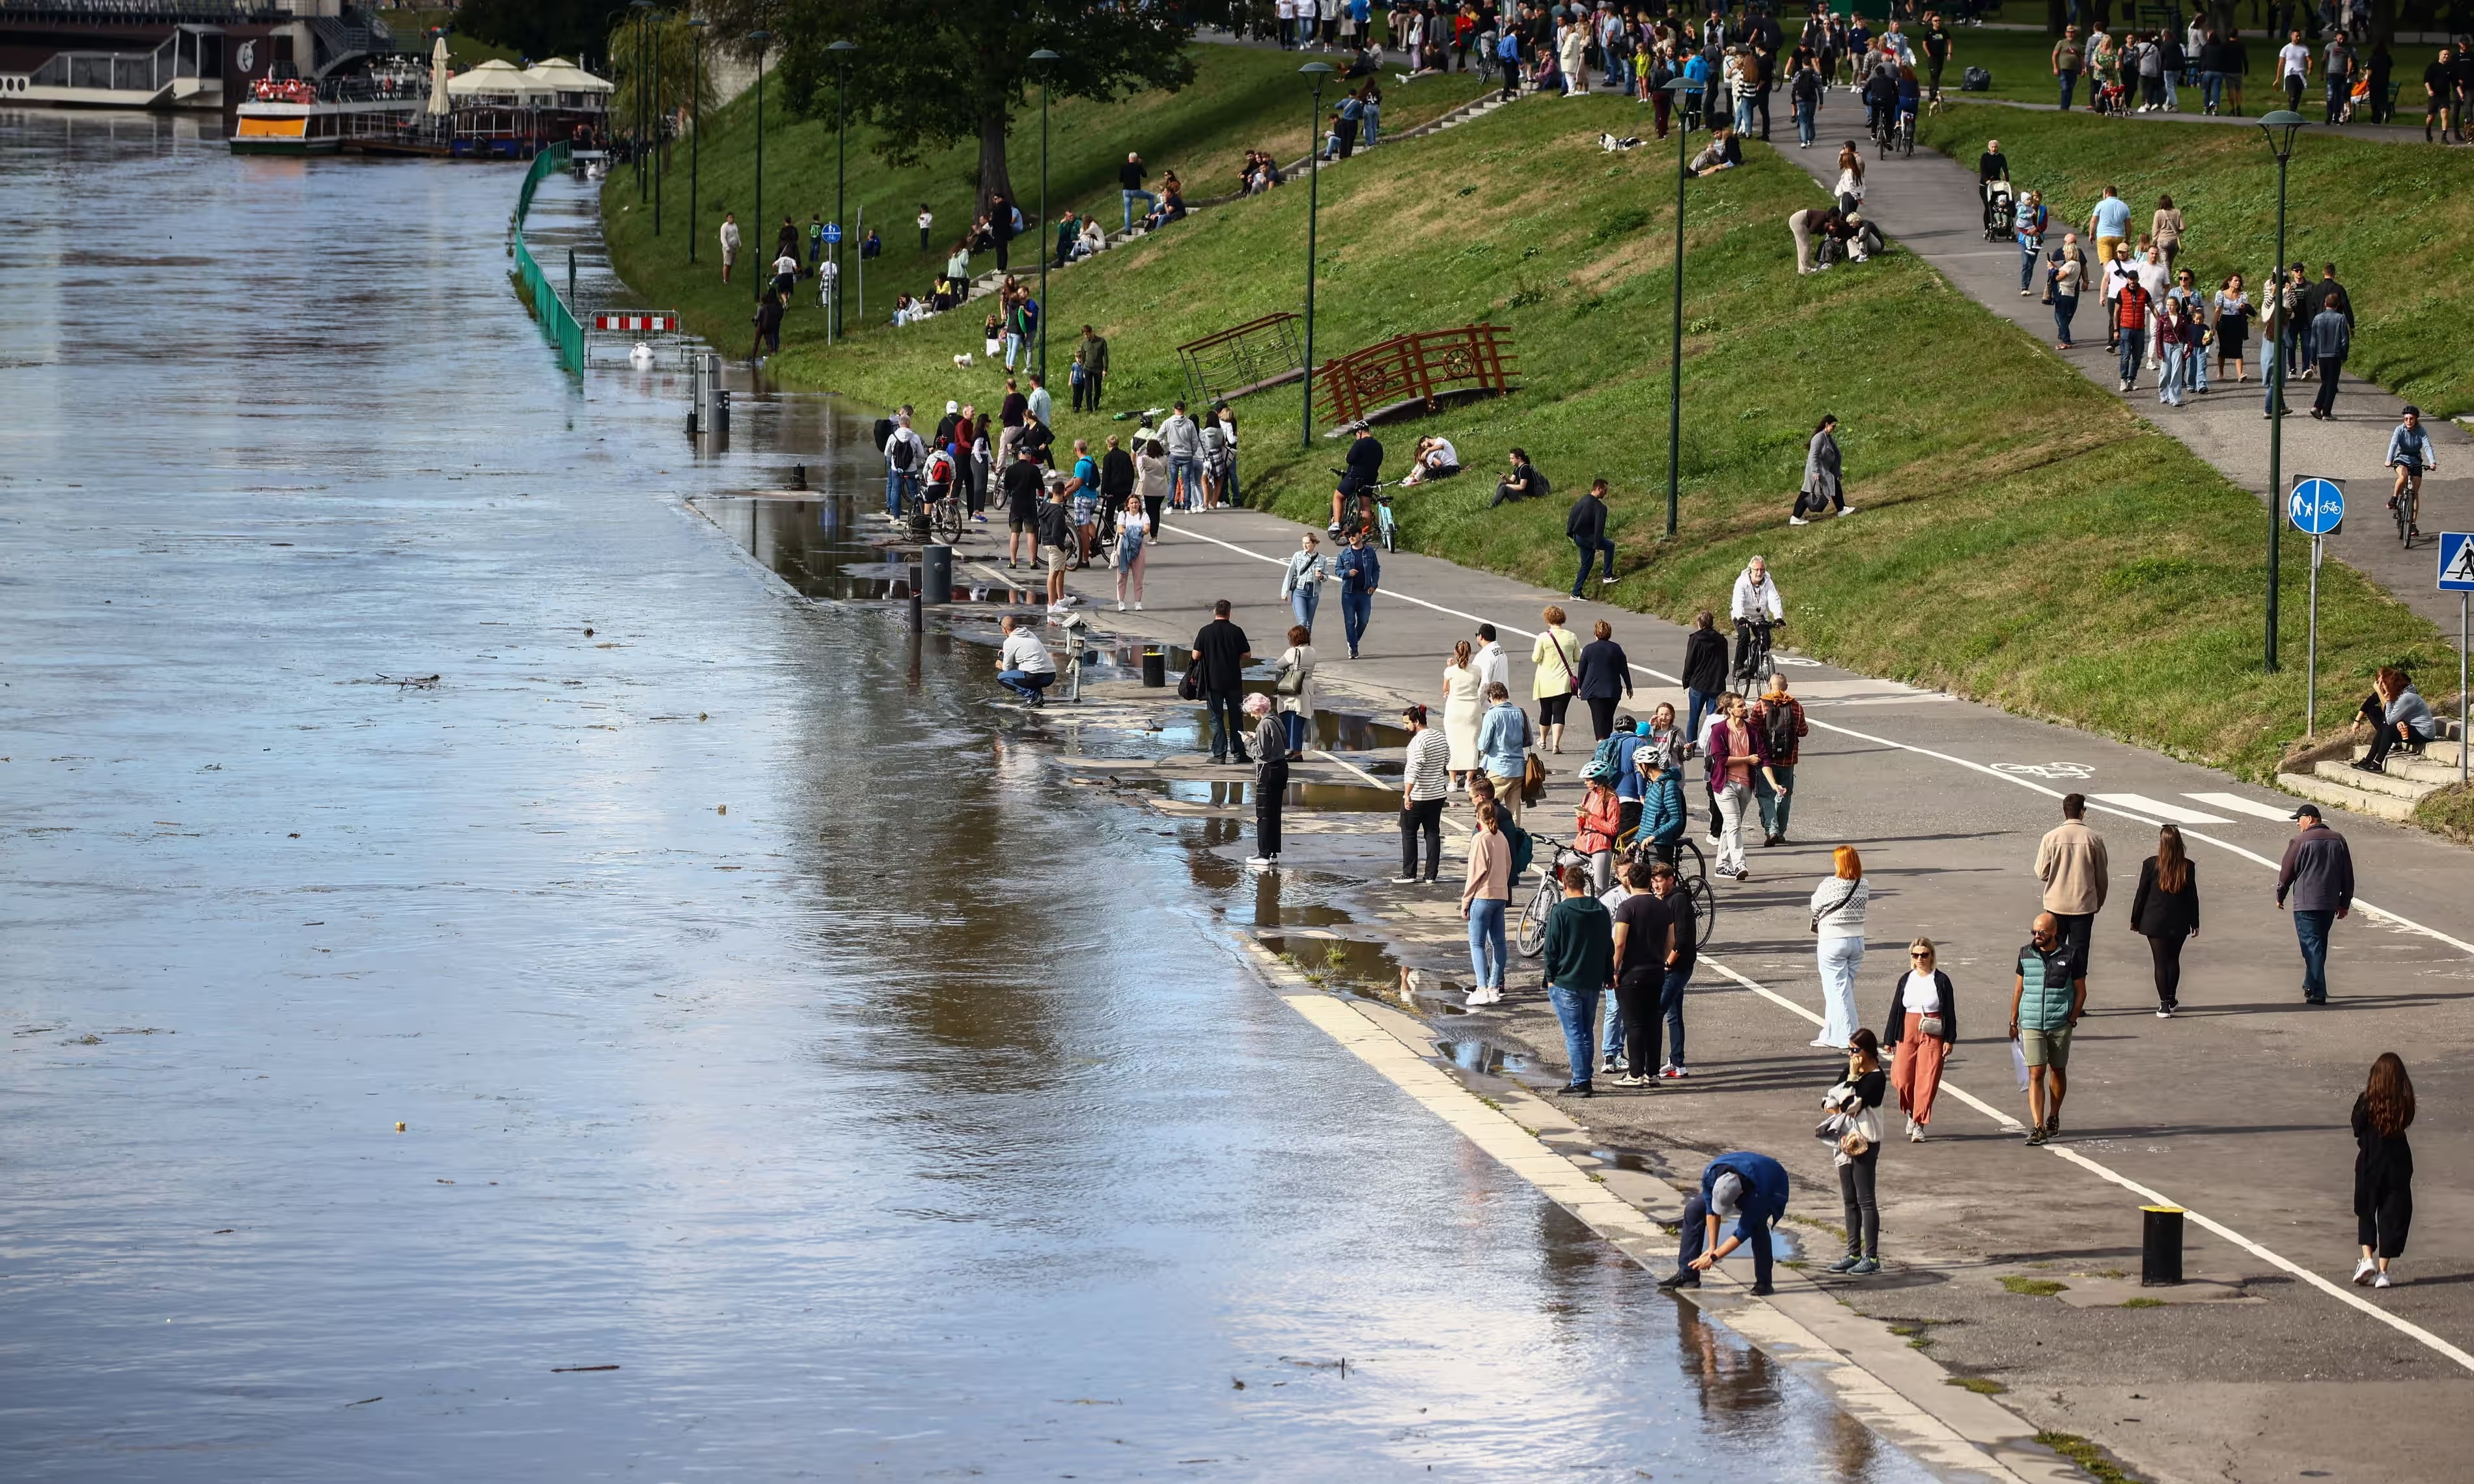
column 2065, row 772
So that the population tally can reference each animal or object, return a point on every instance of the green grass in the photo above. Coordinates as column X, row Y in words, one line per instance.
column 2142, row 1304
column 2021, row 63
column 2449, row 811
column 2392, row 217
column 1981, row 1385
column 2092, row 1459
column 411, row 30
column 2024, row 538
column 2033, row 1287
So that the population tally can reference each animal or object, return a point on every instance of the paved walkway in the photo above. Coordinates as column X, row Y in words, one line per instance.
column 1928, row 203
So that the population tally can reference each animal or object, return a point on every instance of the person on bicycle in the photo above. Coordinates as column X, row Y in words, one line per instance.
column 2410, row 455
column 1881, row 102
column 1756, row 611
column 1364, row 471
column 1910, row 98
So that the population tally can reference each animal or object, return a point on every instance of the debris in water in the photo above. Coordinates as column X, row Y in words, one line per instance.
column 364, row 1401
column 398, row 1127
column 588, row 634
column 1234, row 1381
column 722, row 808
column 564, row 1369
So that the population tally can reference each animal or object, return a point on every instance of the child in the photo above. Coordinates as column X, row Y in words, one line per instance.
column 1075, row 375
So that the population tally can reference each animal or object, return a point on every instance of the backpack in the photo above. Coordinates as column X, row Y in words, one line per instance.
column 1781, row 722
column 1976, row 80
column 1602, row 762
column 1523, row 849
column 1537, row 477
column 884, row 431
column 899, row 455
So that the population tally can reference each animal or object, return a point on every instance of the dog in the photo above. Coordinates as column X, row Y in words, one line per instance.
column 962, row 362
column 1613, row 146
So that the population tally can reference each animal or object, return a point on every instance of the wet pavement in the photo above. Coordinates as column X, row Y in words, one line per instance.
column 501, row 988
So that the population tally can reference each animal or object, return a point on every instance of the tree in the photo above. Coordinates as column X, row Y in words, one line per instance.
column 536, row 28
column 929, row 77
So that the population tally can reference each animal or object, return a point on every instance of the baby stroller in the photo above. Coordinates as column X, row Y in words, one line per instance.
column 2000, row 210
column 2109, row 97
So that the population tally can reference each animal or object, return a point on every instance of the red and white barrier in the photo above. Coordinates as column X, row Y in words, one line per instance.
column 661, row 322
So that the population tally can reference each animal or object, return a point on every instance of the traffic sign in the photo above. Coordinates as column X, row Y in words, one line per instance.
column 832, row 231
column 2457, row 562
column 2317, row 506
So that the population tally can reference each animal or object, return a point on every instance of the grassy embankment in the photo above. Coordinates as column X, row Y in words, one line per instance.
column 2021, row 63
column 2024, row 537
column 2394, row 219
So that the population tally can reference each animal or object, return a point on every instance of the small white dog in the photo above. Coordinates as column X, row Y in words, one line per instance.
column 962, row 362
column 1612, row 145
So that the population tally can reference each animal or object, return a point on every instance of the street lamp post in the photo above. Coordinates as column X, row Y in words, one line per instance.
column 1320, row 73
column 696, row 140
column 644, row 9
column 841, row 51
column 2278, row 128
column 1679, row 88
column 760, row 37
column 1044, row 59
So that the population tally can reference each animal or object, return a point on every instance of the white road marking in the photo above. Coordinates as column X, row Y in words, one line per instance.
column 2283, row 813
column 2369, row 910
column 2179, row 814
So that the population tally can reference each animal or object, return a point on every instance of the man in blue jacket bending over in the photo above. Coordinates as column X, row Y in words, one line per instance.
column 1751, row 1189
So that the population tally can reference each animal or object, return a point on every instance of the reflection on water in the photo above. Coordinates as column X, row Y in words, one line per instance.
column 762, row 1015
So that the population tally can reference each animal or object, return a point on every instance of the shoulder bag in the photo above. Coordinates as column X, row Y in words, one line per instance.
column 1189, row 688
column 1834, row 906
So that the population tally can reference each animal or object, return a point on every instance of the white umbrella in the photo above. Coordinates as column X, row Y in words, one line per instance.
column 438, row 79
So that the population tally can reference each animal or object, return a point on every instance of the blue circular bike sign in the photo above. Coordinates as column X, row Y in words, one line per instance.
column 2317, row 506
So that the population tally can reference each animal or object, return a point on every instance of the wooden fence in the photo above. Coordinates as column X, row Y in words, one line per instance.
column 1415, row 369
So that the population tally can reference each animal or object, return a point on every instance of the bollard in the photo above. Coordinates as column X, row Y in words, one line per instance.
column 918, row 620
column 798, row 476
column 1154, row 668
column 2160, row 1246
column 936, row 572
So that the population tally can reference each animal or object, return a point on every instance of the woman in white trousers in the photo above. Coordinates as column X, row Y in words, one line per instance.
column 1839, row 926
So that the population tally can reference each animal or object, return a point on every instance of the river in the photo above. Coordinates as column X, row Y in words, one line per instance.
column 498, row 989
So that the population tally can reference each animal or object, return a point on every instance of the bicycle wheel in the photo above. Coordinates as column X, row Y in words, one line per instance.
column 948, row 521
column 1530, row 937
column 1705, row 909
column 2397, row 507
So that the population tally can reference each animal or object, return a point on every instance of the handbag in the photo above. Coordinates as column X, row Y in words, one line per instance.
column 1292, row 681
column 1932, row 1025
column 1834, row 906
column 1189, row 686
column 1533, row 781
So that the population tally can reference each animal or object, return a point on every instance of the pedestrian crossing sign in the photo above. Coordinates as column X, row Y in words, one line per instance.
column 2457, row 562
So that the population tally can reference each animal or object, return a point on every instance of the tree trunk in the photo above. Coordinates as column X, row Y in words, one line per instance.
column 2056, row 16
column 2384, row 27
column 994, row 179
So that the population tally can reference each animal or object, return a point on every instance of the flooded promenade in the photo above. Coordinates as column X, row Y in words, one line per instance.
column 498, row 988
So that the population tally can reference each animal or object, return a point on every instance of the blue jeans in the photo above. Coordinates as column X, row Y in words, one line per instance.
column 2030, row 253
column 1744, row 115
column 2133, row 341
column 1295, row 723
column 2070, row 77
column 1804, row 123
column 2212, row 87
column 1355, row 608
column 1589, row 550
column 1578, row 1011
column 1184, row 480
column 1014, row 348
column 1303, row 600
column 2168, row 379
column 1228, row 729
column 1026, row 683
column 1150, row 204
column 1487, row 951
column 1774, row 805
column 1369, row 125
column 1696, row 1222
column 1228, row 484
column 1670, row 1000
column 1699, row 702
column 898, row 490
column 2312, row 929
column 2270, row 357
column 2065, row 307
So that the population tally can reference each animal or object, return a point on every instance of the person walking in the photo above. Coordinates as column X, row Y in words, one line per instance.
column 1182, row 437
column 2046, row 999
column 1779, row 717
column 1271, row 780
column 1705, row 671
column 1464, row 706
column 1133, row 551
column 1556, row 656
column 1681, row 957
column 1587, row 526
column 1922, row 1028
column 1150, row 480
column 1503, row 741
column 1579, row 960
column 2067, row 278
column 1301, row 582
column 1057, row 542
column 1222, row 653
column 1852, row 1102
column 2318, row 876
column 2071, row 861
column 2383, row 1170
column 1486, row 897
column 1604, row 677
column 1733, row 751
column 1750, row 1187
column 1095, row 366
column 1360, row 577
column 729, row 243
column 1490, row 661
column 1839, row 926
column 1425, row 786
column 2332, row 340
column 1293, row 694
column 1644, row 945
column 2069, row 55
column 2164, row 911
column 1822, row 486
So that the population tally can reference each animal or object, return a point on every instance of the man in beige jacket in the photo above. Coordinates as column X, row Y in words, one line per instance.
column 2070, row 862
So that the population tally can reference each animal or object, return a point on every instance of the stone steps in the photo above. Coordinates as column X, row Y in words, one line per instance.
column 2345, row 795
column 2390, row 795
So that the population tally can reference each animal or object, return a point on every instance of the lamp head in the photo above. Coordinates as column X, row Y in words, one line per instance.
column 760, row 37
column 698, row 24
column 843, row 48
column 1044, row 57
column 1681, row 86
column 2279, row 128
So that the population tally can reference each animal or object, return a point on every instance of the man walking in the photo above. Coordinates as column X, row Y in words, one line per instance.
column 2332, row 339
column 2071, row 861
column 1182, row 439
column 729, row 243
column 1503, row 747
column 1644, row 945
column 1095, row 366
column 1779, row 718
column 1682, row 952
column 1425, row 785
column 1130, row 180
column 1361, row 574
column 2318, row 876
column 1579, row 954
column 1751, row 1188
column 1220, row 649
column 2109, row 224
column 1020, row 480
column 1056, row 545
column 2048, row 996
column 1490, row 665
column 1587, row 526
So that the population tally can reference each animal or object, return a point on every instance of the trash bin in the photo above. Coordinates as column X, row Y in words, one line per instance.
column 937, row 573
column 2160, row 1246
column 1154, row 668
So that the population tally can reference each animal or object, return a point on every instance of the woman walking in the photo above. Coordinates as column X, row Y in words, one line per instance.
column 1295, row 691
column 1705, row 671
column 1604, row 678
column 1486, row 895
column 1849, row 189
column 2165, row 229
column 2166, row 912
column 1838, row 927
column 1822, row 489
column 1922, row 1027
column 1150, row 481
column 1733, row 752
column 2233, row 326
column 1301, row 583
column 1271, row 781
column 2069, row 278
column 1464, row 706
column 1133, row 550
column 2383, row 1168
column 1860, row 1153
column 1556, row 656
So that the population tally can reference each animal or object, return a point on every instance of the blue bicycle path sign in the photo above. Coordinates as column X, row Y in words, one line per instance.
column 2457, row 562
column 832, row 231
column 2317, row 506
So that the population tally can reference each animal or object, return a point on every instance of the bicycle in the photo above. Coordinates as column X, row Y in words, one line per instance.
column 1529, row 935
column 1752, row 666
column 947, row 516
column 1902, row 134
column 1360, row 510
column 1691, row 878
column 2405, row 504
column 1386, row 533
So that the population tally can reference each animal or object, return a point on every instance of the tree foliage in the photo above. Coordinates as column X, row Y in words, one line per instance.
column 535, row 28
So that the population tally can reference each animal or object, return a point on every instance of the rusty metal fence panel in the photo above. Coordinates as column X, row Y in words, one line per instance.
column 1415, row 369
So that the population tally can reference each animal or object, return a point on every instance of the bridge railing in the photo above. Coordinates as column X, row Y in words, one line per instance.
column 1414, row 368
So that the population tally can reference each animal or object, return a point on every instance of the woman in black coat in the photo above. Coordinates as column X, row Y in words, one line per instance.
column 2166, row 912
column 1705, row 671
column 1604, row 678
column 2383, row 1168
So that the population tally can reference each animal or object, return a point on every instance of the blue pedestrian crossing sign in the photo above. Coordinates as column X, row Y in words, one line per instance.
column 832, row 231
column 2317, row 506
column 2457, row 562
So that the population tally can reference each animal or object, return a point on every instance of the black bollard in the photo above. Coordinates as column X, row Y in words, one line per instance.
column 1154, row 668
column 918, row 619
column 798, row 476
column 936, row 572
column 2160, row 1246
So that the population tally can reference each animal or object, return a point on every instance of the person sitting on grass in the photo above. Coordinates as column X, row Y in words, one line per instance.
column 1523, row 483
column 1723, row 153
column 1435, row 458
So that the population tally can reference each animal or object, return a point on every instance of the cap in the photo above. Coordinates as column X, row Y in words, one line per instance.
column 952, row 406
column 2307, row 811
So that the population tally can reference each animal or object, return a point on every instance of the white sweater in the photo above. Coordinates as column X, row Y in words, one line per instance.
column 1845, row 922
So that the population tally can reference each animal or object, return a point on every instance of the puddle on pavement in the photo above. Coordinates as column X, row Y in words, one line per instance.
column 1486, row 1057
column 1318, row 798
column 834, row 547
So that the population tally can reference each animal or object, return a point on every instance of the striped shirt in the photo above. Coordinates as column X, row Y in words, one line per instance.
column 1428, row 767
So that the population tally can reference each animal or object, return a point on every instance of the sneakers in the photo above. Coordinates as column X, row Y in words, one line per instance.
column 2381, row 1282
column 1825, row 1043
column 2365, row 1270
column 1577, row 1090
column 1610, row 1065
column 1678, row 1069
column 1865, row 1268
column 1482, row 996
column 1843, row 1265
column 1711, row 840
column 1121, row 606
column 2163, row 1011
column 1797, row 520
column 2053, row 1126
column 1606, row 581
column 1635, row 1080
column 2035, row 1137
column 1846, row 510
column 1915, row 1132
column 1262, row 862
column 1404, row 880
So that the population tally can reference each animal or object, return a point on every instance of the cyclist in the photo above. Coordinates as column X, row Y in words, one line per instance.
column 1756, row 611
column 2410, row 455
column 1910, row 98
column 1364, row 471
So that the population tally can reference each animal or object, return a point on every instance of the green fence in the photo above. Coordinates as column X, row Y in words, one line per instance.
column 557, row 319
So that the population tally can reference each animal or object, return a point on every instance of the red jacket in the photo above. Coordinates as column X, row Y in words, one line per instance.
column 1598, row 820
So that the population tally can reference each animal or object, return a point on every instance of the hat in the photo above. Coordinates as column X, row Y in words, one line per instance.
column 2307, row 811
column 952, row 406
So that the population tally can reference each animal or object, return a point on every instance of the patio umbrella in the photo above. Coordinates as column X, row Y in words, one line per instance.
column 438, row 79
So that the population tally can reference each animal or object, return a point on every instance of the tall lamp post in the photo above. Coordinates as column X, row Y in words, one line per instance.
column 1679, row 88
column 642, row 10
column 760, row 37
column 1045, row 61
column 841, row 51
column 696, row 139
column 1319, row 73
column 2278, row 128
